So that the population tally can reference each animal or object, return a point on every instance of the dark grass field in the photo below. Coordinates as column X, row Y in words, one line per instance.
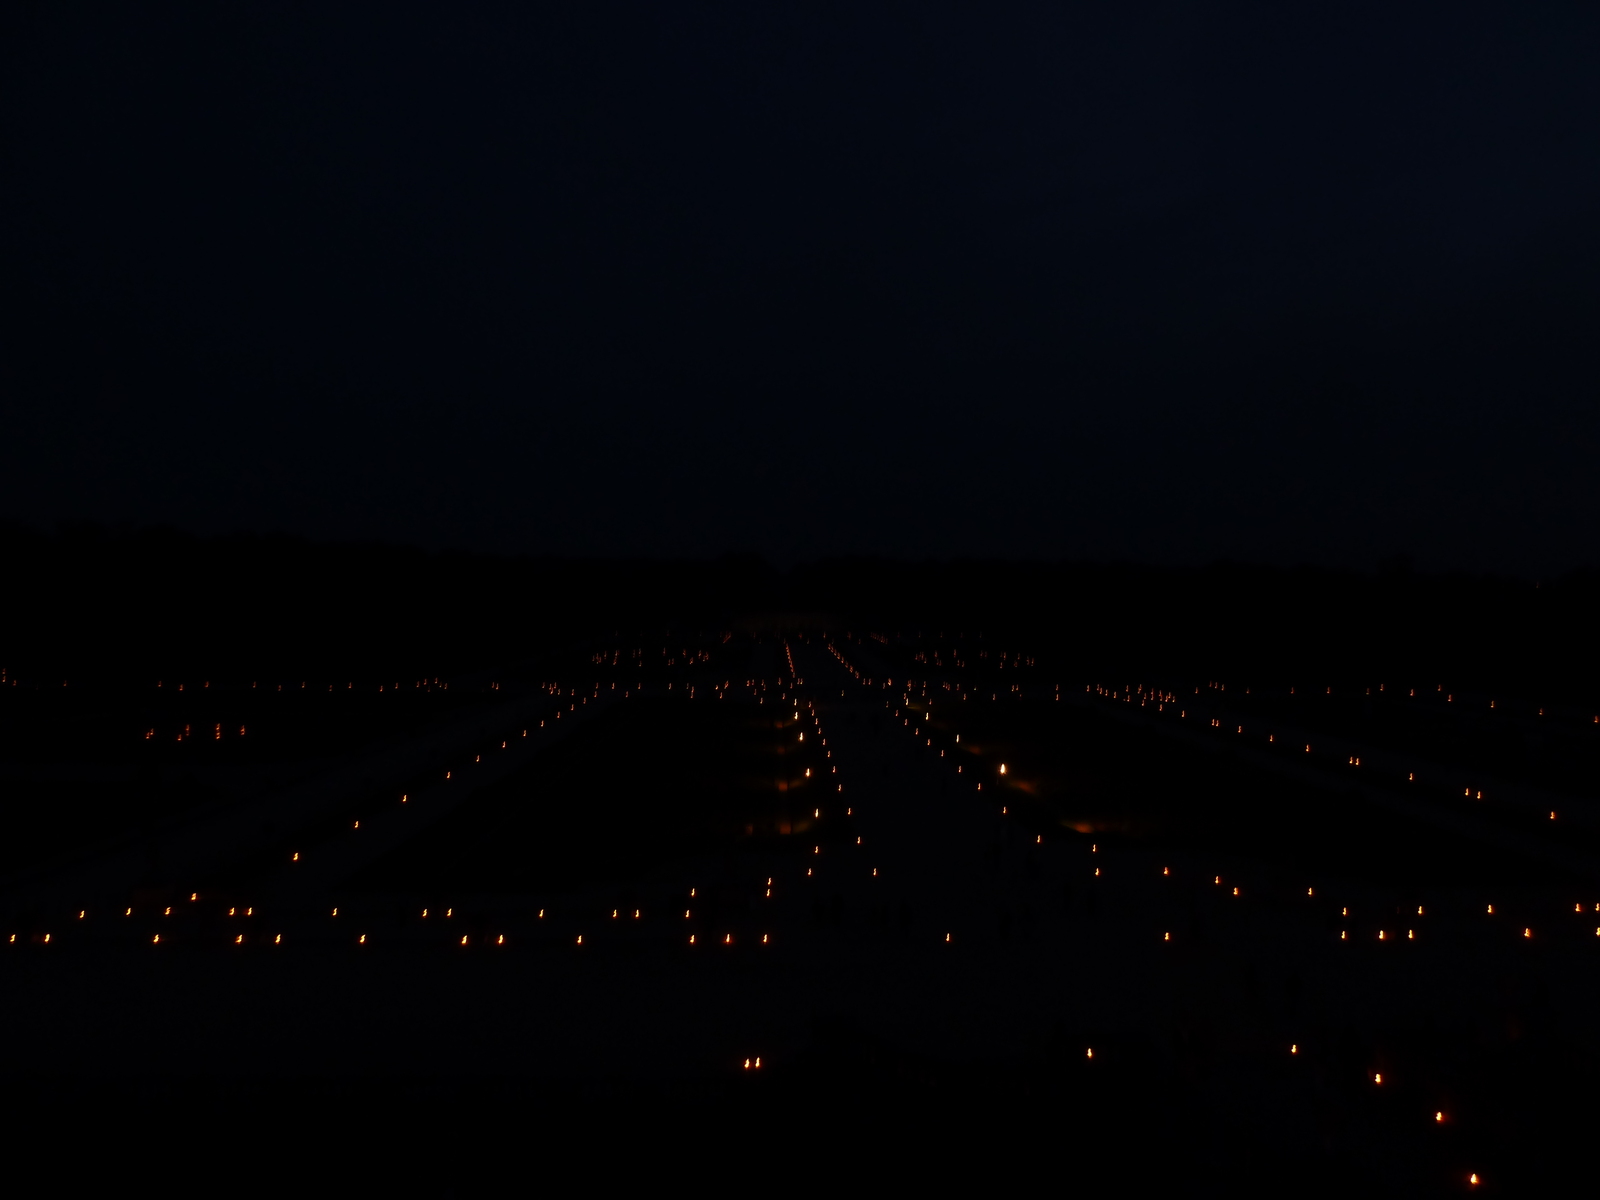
column 854, row 1113
column 649, row 783
column 892, row 1057
column 1072, row 768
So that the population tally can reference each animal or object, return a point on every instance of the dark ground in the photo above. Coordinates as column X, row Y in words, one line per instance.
column 922, row 1001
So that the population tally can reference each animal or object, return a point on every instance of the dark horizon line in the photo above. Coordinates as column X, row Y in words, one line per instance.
column 1394, row 566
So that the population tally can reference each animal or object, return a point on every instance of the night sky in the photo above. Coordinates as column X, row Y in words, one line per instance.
column 1161, row 282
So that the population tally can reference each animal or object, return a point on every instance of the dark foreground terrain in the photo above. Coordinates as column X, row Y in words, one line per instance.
column 899, row 905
